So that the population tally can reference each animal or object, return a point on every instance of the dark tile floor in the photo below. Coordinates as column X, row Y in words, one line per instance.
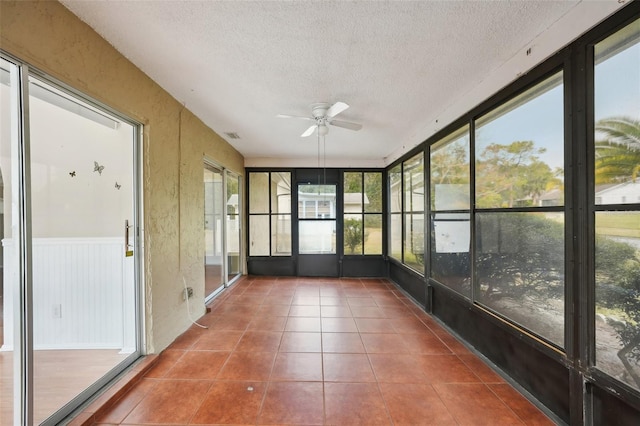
column 320, row 351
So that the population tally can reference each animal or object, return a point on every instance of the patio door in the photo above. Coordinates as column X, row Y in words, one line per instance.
column 214, row 228
column 70, row 247
column 317, row 228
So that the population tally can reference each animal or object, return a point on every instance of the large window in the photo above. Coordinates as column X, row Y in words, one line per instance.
column 617, row 204
column 406, row 212
column 270, row 214
column 450, row 204
column 395, row 212
column 519, row 221
column 362, row 206
column 413, row 212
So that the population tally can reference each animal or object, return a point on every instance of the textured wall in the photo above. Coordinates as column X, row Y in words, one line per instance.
column 49, row 37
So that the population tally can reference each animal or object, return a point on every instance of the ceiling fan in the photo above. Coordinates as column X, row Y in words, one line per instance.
column 323, row 114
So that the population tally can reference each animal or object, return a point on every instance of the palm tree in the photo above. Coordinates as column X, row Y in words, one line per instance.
column 618, row 152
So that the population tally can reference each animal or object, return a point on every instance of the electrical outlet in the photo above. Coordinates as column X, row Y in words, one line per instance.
column 57, row 310
column 187, row 293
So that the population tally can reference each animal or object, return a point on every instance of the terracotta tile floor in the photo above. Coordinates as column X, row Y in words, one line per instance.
column 320, row 351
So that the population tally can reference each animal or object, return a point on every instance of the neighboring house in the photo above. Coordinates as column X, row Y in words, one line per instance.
column 621, row 193
column 553, row 197
column 353, row 202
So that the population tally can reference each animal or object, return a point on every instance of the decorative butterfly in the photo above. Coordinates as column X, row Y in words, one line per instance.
column 72, row 174
column 97, row 167
column 118, row 186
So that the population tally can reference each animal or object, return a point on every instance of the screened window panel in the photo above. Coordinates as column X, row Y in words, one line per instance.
column 372, row 234
column 353, row 233
column 520, row 269
column 413, row 171
column 258, row 192
column 520, row 150
column 281, row 235
column 280, row 192
column 414, row 241
column 395, row 236
column 373, row 192
column 395, row 190
column 259, row 235
column 450, row 172
column 617, row 185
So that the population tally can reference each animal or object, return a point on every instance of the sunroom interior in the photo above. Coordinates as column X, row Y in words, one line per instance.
column 143, row 176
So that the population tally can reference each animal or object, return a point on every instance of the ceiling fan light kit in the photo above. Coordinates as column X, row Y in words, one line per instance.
column 322, row 114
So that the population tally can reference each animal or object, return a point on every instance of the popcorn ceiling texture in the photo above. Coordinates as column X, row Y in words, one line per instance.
column 49, row 37
column 398, row 64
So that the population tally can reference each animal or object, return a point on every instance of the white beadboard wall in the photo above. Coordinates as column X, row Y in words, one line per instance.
column 83, row 294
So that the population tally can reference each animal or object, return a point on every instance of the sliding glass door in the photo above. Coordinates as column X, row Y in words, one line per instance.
column 69, row 249
column 214, row 196
column 222, row 226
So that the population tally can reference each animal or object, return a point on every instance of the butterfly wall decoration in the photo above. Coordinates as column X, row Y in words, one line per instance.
column 97, row 167
column 72, row 174
column 118, row 186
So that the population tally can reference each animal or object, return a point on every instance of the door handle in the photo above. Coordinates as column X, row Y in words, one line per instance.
column 127, row 252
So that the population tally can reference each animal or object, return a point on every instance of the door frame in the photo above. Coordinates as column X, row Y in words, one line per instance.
column 23, row 325
column 317, row 265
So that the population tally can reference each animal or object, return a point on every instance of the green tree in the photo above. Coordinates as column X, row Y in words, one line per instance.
column 507, row 173
column 449, row 165
column 617, row 156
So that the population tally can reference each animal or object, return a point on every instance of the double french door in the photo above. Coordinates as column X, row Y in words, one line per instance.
column 70, row 246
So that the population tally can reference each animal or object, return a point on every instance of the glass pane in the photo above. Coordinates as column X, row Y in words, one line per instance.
column 414, row 241
column 259, row 235
column 395, row 236
column 520, row 269
column 520, row 150
column 233, row 226
column 373, row 192
column 281, row 235
column 372, row 234
column 618, row 295
column 450, row 172
column 395, row 190
column 617, row 117
column 352, row 192
column 280, row 192
column 213, row 222
column 10, row 279
column 353, row 232
column 317, row 201
column 414, row 184
column 259, row 192
column 450, row 243
column 84, row 286
column 317, row 236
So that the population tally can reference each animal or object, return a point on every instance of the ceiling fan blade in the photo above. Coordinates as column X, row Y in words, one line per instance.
column 346, row 124
column 309, row 131
column 336, row 109
column 295, row 116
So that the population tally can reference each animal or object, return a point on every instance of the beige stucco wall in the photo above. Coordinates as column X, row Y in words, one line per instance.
column 49, row 37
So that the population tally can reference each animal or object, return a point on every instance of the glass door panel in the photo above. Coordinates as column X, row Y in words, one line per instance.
column 9, row 232
column 317, row 230
column 214, row 198
column 233, row 226
column 83, row 191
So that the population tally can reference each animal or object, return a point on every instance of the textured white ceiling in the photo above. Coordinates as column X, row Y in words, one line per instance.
column 400, row 65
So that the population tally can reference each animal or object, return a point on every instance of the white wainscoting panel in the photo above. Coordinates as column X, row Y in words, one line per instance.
column 83, row 293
